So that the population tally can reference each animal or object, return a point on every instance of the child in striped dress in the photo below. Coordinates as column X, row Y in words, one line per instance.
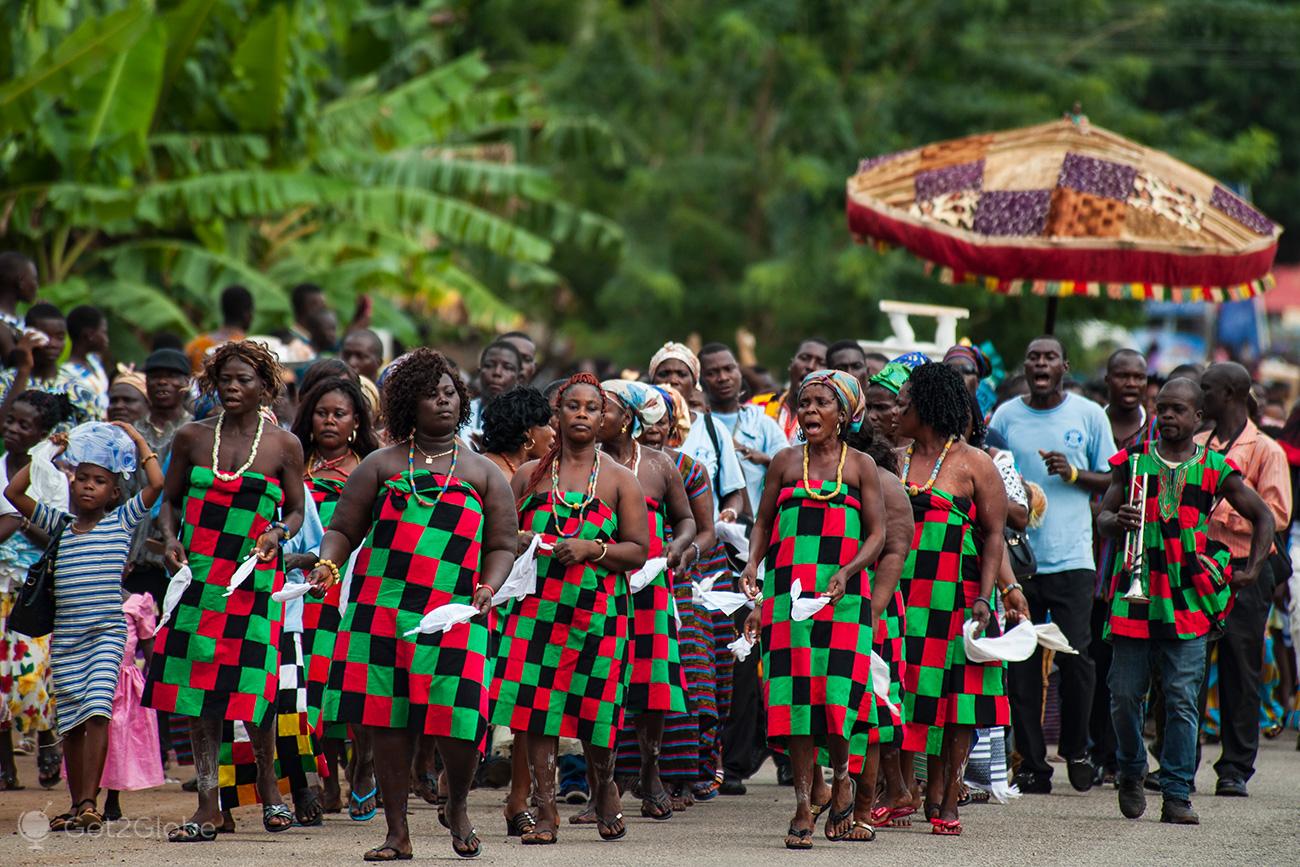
column 89, row 637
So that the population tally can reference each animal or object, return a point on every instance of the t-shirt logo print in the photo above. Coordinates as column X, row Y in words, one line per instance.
column 1074, row 439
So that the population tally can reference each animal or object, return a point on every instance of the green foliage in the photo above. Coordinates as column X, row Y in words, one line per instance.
column 154, row 153
column 727, row 131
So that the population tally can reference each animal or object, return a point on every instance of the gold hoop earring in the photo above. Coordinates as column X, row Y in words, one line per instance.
column 529, row 444
column 353, row 436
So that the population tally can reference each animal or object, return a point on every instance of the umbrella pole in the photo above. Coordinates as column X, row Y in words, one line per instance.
column 1049, row 327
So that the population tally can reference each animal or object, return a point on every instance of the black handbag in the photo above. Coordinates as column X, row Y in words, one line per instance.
column 33, row 611
column 1023, row 562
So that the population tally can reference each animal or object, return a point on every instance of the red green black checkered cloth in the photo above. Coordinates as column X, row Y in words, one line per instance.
column 940, row 687
column 415, row 558
column 560, row 666
column 816, row 672
column 218, row 656
column 320, row 621
column 655, row 678
column 1186, row 600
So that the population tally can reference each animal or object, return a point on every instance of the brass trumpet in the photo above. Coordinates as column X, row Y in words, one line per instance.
column 1134, row 542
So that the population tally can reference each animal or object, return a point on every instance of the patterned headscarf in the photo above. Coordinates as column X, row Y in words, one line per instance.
column 102, row 444
column 897, row 372
column 128, row 375
column 972, row 354
column 679, row 411
column 644, row 402
column 680, row 352
column 847, row 390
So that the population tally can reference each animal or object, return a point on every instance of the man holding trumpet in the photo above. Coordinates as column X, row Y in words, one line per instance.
column 1171, row 588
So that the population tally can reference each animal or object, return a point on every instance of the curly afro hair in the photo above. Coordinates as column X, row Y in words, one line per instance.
column 940, row 398
column 507, row 420
column 416, row 378
column 52, row 409
column 252, row 353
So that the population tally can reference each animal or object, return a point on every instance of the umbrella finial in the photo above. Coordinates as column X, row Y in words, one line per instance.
column 1076, row 116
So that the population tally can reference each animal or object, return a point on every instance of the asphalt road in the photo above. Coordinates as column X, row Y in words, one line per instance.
column 1064, row 828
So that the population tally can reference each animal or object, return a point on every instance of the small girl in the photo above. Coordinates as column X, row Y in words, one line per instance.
column 134, row 760
column 89, row 637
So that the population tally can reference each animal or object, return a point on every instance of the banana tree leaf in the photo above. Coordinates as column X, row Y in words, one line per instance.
column 261, row 66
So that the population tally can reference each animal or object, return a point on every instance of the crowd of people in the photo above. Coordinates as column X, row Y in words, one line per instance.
column 278, row 557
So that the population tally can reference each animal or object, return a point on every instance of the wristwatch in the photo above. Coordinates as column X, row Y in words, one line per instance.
column 1012, row 586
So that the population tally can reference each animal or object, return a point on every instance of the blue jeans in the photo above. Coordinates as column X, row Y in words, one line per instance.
column 1181, row 668
column 573, row 773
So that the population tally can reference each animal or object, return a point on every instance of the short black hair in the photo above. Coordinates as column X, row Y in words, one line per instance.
column 324, row 368
column 507, row 420
column 236, row 303
column 299, row 294
column 82, row 319
column 1180, row 382
column 1194, row 372
column 818, row 340
column 940, row 397
column 507, row 346
column 12, row 267
column 1124, row 353
column 417, row 377
column 52, row 409
column 375, row 342
column 520, row 334
column 1052, row 337
column 44, row 310
column 877, row 356
column 843, row 345
column 713, row 349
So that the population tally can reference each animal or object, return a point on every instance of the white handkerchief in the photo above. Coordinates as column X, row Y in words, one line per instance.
column 642, row 577
column 444, row 617
column 345, row 583
column 1051, row 637
column 802, row 609
column 1016, row 645
column 292, row 591
column 677, row 615
column 175, row 589
column 522, row 579
column 740, row 648
column 48, row 483
column 880, row 680
column 241, row 574
column 702, row 593
column 734, row 535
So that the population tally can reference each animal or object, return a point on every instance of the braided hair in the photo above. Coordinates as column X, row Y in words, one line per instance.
column 940, row 398
column 507, row 420
column 252, row 353
column 416, row 378
column 544, row 465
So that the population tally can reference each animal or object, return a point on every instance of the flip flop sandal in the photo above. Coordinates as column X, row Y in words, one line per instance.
column 192, row 832
column 836, row 817
column 818, row 809
column 472, row 845
column 375, row 854
column 586, row 817
column 363, row 817
column 602, row 825
column 9, row 783
column 899, row 817
column 60, row 822
column 276, row 811
column 520, row 823
column 849, row 838
column 659, row 807
column 426, row 786
column 946, row 827
column 88, row 820
column 306, row 803
column 49, row 767
column 798, row 839
column 539, row 837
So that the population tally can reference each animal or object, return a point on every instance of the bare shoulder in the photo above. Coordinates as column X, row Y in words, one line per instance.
column 283, row 441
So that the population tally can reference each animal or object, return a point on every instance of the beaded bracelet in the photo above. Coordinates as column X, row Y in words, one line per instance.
column 332, row 566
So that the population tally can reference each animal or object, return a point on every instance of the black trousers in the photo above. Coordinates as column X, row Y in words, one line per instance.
column 1100, row 726
column 1241, row 662
column 744, row 732
column 1067, row 597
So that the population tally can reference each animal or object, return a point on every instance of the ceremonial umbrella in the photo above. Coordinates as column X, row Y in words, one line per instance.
column 1065, row 209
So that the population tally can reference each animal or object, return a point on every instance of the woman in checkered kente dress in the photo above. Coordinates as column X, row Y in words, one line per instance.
column 560, row 665
column 435, row 526
column 820, row 525
column 217, row 657
column 956, row 492
column 656, row 682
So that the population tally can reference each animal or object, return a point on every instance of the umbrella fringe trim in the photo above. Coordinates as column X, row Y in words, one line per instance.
column 1086, row 289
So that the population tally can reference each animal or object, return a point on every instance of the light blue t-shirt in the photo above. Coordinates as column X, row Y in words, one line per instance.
column 754, row 429
column 1078, row 429
column 699, row 447
column 307, row 541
